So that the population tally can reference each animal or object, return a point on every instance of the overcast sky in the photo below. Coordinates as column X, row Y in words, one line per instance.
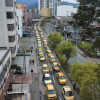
column 73, row 1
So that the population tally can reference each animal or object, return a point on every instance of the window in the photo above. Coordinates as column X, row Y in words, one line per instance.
column 9, row 3
column 11, row 38
column 10, row 15
column 10, row 27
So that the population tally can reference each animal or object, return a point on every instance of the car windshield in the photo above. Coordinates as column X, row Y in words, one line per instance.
column 51, row 92
column 55, row 66
column 52, row 58
column 50, row 52
column 45, row 68
column 47, row 78
column 62, row 77
column 69, row 93
column 42, row 56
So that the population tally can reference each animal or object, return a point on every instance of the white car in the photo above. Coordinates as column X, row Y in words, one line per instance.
column 47, row 79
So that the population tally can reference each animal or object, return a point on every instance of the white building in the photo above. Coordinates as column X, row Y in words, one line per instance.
column 49, row 4
column 65, row 10
column 19, row 22
column 8, row 26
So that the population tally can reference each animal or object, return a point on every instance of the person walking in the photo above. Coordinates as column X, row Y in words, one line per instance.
column 32, row 71
column 74, row 86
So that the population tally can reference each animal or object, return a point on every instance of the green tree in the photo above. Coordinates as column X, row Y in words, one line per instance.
column 87, row 78
column 45, row 20
column 66, row 48
column 54, row 39
column 96, row 44
column 85, row 15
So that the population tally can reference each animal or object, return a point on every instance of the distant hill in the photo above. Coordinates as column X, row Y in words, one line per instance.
column 68, row 3
column 35, row 5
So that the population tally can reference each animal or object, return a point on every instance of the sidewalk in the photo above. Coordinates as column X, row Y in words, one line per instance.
column 34, row 88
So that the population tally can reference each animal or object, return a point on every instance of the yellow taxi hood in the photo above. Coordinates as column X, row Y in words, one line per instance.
column 70, row 98
column 51, row 95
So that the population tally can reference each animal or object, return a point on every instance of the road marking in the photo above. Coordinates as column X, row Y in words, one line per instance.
column 53, row 79
column 59, row 98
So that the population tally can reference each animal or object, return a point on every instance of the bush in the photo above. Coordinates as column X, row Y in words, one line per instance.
column 15, row 67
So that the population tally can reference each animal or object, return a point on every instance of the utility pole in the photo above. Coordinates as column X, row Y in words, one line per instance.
column 24, row 62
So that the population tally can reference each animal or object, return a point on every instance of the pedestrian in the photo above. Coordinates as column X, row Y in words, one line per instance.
column 52, row 72
column 36, row 50
column 74, row 86
column 33, row 61
column 34, row 42
column 43, row 77
column 30, row 61
column 32, row 71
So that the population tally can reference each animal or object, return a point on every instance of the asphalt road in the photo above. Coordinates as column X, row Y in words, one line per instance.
column 57, row 86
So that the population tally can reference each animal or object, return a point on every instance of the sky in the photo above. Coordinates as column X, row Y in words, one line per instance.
column 72, row 1
column 28, row 2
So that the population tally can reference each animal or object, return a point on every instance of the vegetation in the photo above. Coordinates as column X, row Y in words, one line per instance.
column 55, row 39
column 96, row 44
column 66, row 49
column 87, row 77
column 86, row 15
column 15, row 67
column 45, row 20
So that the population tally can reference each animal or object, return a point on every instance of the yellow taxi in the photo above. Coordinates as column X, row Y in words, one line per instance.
column 44, row 40
column 40, row 52
column 45, row 68
column 52, row 59
column 51, row 93
column 40, row 48
column 39, row 44
column 55, row 66
column 67, row 93
column 42, row 57
column 47, row 49
column 61, row 78
column 50, row 53
column 42, row 36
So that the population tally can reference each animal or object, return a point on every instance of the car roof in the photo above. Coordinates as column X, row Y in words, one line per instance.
column 47, row 75
column 60, row 74
column 55, row 63
column 50, row 86
column 45, row 65
column 67, row 88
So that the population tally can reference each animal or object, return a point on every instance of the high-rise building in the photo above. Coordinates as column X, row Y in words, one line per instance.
column 8, row 26
column 52, row 4
column 24, row 12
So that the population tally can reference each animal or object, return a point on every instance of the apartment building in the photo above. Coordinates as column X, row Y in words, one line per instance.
column 5, row 74
column 8, row 26
column 24, row 12
column 52, row 4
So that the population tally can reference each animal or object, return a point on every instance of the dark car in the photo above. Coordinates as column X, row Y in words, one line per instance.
column 18, row 72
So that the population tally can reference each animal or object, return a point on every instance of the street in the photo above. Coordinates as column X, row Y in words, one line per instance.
column 38, row 87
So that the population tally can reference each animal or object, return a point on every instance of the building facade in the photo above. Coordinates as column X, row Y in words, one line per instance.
column 52, row 4
column 19, row 22
column 5, row 75
column 8, row 26
column 65, row 10
column 24, row 12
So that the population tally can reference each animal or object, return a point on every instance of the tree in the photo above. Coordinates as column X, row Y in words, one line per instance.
column 45, row 20
column 54, row 39
column 96, row 44
column 66, row 48
column 87, row 77
column 85, row 15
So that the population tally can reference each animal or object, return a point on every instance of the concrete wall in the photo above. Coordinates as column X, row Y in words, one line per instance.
column 65, row 10
column 45, row 12
column 3, row 25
